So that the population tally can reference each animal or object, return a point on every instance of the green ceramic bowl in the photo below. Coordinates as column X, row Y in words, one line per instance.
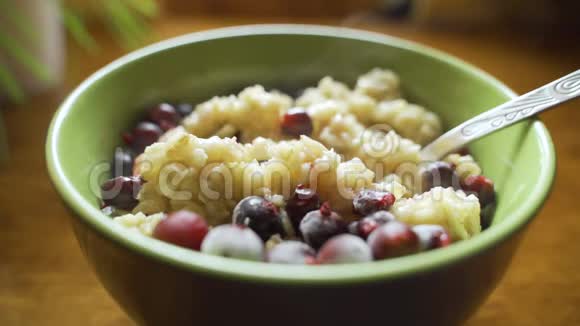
column 161, row 284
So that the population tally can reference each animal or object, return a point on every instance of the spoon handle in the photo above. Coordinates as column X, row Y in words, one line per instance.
column 522, row 107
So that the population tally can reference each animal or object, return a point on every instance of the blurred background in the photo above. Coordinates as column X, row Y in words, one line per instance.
column 47, row 47
column 34, row 33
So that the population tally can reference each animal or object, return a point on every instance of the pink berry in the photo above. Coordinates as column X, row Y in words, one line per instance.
column 292, row 252
column 182, row 228
column 364, row 227
column 482, row 187
column 368, row 201
column 234, row 241
column 432, row 236
column 296, row 122
column 393, row 239
column 343, row 249
column 164, row 115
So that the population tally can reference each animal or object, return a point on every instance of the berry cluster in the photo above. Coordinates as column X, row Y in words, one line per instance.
column 120, row 192
column 313, row 232
column 323, row 236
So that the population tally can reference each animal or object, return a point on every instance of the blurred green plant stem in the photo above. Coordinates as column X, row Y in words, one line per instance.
column 127, row 20
column 32, row 47
column 25, row 26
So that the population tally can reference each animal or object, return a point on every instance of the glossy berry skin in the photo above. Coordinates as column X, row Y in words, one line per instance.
column 182, row 228
column 486, row 215
column 122, row 163
column 482, row 187
column 393, row 239
column 260, row 215
column 145, row 134
column 296, row 122
column 184, row 109
column 234, row 241
column 292, row 252
column 320, row 225
column 432, row 236
column 344, row 249
column 303, row 200
column 121, row 192
column 364, row 227
column 128, row 138
column 165, row 116
column 439, row 174
column 368, row 201
column 352, row 228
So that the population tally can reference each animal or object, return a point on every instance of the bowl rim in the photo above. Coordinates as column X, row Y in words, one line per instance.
column 234, row 269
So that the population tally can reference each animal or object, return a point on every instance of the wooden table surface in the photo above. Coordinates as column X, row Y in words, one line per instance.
column 44, row 280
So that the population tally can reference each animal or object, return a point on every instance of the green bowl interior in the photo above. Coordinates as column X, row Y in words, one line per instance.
column 195, row 67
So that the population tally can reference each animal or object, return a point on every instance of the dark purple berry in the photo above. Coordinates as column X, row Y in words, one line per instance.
column 393, row 239
column 121, row 192
column 482, row 187
column 145, row 134
column 184, row 109
column 432, row 236
column 368, row 201
column 166, row 125
column 486, row 215
column 438, row 174
column 165, row 116
column 292, row 252
column 297, row 122
column 182, row 228
column 320, row 225
column 260, row 215
column 365, row 226
column 128, row 138
column 122, row 163
column 463, row 151
column 234, row 241
column 343, row 249
column 303, row 200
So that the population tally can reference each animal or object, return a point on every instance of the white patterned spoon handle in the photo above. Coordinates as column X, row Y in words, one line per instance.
column 534, row 102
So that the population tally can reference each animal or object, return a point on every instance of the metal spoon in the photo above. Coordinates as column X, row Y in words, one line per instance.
column 534, row 102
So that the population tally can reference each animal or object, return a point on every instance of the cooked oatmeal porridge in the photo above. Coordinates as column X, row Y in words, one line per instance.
column 332, row 176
